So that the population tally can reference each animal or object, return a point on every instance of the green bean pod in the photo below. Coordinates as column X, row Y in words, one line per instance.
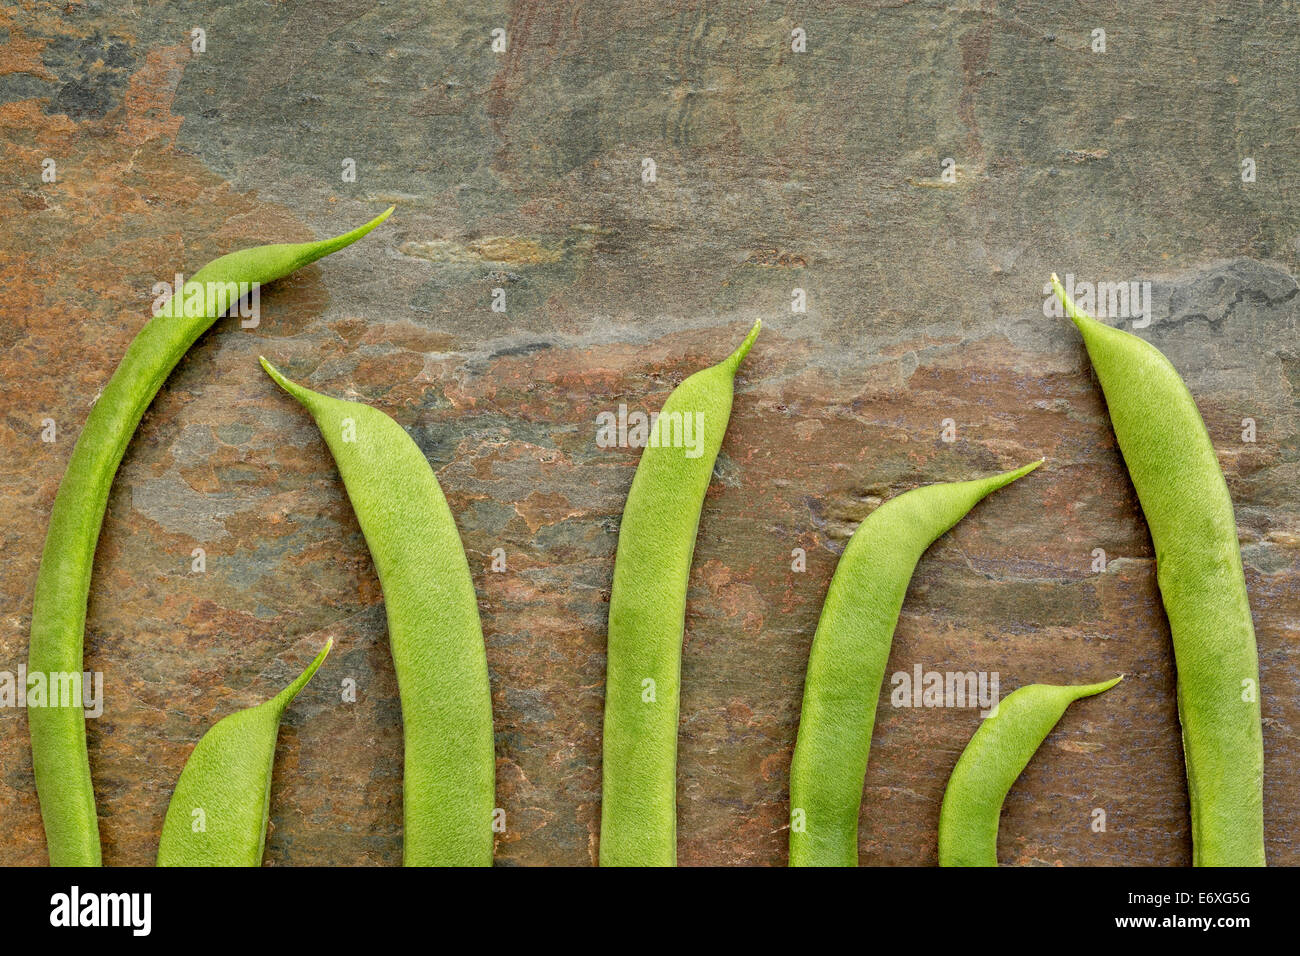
column 647, row 618
column 433, row 627
column 58, row 731
column 847, row 663
column 217, row 814
column 1198, row 566
column 1000, row 749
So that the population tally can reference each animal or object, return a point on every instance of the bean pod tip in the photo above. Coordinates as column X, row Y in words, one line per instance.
column 1007, row 477
column 1026, row 469
column 732, row 361
column 362, row 230
column 287, row 695
column 293, row 388
column 1077, row 315
column 1088, row 690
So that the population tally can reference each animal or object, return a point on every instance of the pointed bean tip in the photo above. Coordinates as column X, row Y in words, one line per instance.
column 1101, row 687
column 363, row 230
column 1075, row 314
column 1018, row 473
column 282, row 699
column 733, row 360
column 301, row 393
column 274, row 372
column 327, row 246
column 324, row 652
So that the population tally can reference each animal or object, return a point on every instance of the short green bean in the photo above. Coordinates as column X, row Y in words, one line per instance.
column 58, row 731
column 217, row 815
column 647, row 614
column 847, row 663
column 1198, row 566
column 433, row 627
column 1000, row 749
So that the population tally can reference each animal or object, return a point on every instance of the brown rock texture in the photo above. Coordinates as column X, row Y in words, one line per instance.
column 525, row 171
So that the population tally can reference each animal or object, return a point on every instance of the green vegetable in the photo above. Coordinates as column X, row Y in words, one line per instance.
column 433, row 626
column 990, row 764
column 647, row 614
column 847, row 662
column 1198, row 566
column 217, row 814
column 63, row 584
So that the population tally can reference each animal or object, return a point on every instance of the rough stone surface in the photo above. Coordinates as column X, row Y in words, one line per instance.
column 522, row 171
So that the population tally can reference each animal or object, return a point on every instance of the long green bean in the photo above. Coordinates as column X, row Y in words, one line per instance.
column 848, row 658
column 433, row 627
column 647, row 612
column 1198, row 566
column 58, row 729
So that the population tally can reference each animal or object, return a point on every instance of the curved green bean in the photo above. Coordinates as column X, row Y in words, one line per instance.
column 1000, row 749
column 433, row 626
column 847, row 663
column 217, row 814
column 1198, row 566
column 58, row 731
column 647, row 616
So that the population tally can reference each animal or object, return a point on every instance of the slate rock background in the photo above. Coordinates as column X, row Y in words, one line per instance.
column 522, row 170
